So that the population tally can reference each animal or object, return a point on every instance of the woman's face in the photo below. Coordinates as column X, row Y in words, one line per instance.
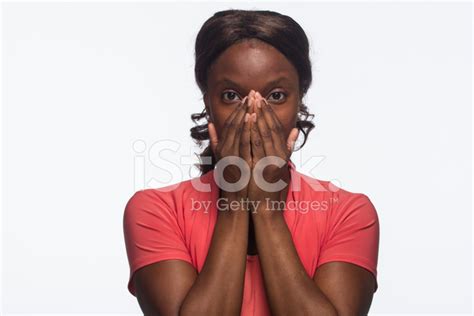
column 252, row 65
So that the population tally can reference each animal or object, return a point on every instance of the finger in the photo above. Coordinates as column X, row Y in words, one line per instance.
column 214, row 141
column 255, row 141
column 235, row 130
column 229, row 122
column 283, row 146
column 273, row 124
column 265, row 132
column 245, row 150
column 292, row 139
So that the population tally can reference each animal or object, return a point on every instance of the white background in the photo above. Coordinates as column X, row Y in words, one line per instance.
column 82, row 82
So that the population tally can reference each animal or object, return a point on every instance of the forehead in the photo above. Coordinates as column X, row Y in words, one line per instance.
column 251, row 63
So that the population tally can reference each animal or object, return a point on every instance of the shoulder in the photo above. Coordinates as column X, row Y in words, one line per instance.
column 345, row 200
column 342, row 202
column 146, row 198
column 169, row 197
column 350, row 207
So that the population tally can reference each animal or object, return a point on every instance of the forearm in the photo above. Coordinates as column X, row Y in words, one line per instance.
column 289, row 289
column 218, row 289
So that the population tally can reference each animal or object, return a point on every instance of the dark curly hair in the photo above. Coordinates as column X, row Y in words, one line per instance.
column 228, row 27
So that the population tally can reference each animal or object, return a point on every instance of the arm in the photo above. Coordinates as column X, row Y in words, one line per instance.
column 290, row 290
column 338, row 288
column 219, row 288
column 172, row 287
column 349, row 287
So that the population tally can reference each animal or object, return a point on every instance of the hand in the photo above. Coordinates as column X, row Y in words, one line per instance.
column 236, row 131
column 268, row 142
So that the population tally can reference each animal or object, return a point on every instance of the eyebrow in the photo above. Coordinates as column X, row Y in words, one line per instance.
column 270, row 83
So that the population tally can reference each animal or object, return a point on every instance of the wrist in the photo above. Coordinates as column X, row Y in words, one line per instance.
column 232, row 202
column 269, row 208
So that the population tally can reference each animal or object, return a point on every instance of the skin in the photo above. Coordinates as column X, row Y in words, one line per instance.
column 253, row 118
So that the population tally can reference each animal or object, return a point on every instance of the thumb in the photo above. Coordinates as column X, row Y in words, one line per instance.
column 290, row 144
column 213, row 136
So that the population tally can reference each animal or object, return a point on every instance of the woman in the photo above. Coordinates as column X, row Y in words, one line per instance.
column 256, row 237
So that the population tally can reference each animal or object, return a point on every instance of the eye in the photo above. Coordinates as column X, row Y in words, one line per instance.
column 278, row 96
column 232, row 96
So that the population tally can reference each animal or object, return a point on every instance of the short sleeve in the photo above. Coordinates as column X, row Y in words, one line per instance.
column 151, row 232
column 352, row 232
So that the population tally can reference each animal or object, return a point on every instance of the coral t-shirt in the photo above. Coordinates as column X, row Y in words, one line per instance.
column 327, row 223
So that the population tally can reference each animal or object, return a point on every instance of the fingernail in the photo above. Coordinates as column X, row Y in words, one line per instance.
column 246, row 119
column 247, row 100
column 254, row 117
column 258, row 99
column 291, row 144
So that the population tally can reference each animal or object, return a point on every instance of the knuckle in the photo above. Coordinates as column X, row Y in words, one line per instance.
column 224, row 152
column 244, row 143
column 279, row 128
column 227, row 124
column 266, row 134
